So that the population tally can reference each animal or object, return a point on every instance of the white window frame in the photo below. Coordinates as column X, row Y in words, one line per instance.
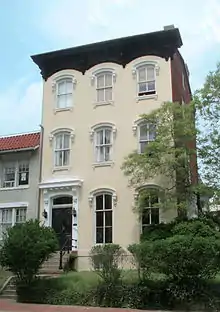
column 63, row 149
column 8, row 184
column 94, row 136
column 55, row 89
column 150, row 209
column 104, row 146
column 148, row 140
column 94, row 81
column 104, row 211
column 13, row 220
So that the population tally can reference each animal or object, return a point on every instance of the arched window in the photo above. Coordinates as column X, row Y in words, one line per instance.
column 146, row 79
column 64, row 93
column 104, row 86
column 149, row 205
column 62, row 149
column 147, row 133
column 103, row 217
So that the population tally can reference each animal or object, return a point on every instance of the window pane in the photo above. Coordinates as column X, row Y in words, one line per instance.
column 146, row 201
column 146, row 217
column 151, row 86
column 142, row 87
column 69, row 86
column 99, row 135
column 63, row 200
column 66, row 140
column 107, row 153
column 68, row 100
column 99, row 236
column 108, row 201
column 61, row 88
column 66, row 158
column 100, row 81
column 99, row 219
column 153, row 199
column 108, row 218
column 150, row 73
column 142, row 74
column 100, row 95
column 101, row 155
column 108, row 94
column 144, row 132
column 143, row 146
column 99, row 202
column 58, row 141
column 108, row 80
column 20, row 215
column 61, row 101
column 152, row 132
column 108, row 235
column 58, row 159
column 155, row 216
column 107, row 136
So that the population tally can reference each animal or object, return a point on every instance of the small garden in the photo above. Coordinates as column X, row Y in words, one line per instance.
column 177, row 266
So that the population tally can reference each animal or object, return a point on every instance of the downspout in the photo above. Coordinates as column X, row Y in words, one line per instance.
column 40, row 169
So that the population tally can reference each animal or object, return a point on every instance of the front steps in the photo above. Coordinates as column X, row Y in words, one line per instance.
column 9, row 292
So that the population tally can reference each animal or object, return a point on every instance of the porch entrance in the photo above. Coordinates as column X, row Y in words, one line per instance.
column 62, row 221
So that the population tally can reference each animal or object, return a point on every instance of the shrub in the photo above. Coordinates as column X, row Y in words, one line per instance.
column 105, row 260
column 187, row 258
column 157, row 231
column 25, row 247
column 144, row 258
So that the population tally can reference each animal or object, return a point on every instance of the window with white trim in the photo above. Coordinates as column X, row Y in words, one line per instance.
column 103, row 218
column 146, row 80
column 15, row 174
column 62, row 149
column 11, row 216
column 104, row 87
column 150, row 209
column 147, row 133
column 103, row 144
column 64, row 93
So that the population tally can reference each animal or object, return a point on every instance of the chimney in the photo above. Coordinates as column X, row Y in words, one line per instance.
column 168, row 27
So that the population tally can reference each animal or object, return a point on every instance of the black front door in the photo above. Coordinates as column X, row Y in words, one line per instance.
column 62, row 225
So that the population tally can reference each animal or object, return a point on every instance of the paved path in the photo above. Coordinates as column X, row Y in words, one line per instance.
column 12, row 306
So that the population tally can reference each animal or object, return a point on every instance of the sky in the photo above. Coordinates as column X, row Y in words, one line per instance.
column 30, row 27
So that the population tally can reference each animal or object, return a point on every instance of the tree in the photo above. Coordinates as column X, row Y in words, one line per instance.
column 25, row 248
column 207, row 103
column 171, row 157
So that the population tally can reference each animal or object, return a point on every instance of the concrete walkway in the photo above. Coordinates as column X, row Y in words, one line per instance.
column 12, row 306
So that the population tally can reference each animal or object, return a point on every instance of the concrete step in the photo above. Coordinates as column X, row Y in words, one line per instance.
column 10, row 297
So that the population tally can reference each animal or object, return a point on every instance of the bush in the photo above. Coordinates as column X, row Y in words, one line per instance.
column 25, row 247
column 187, row 258
column 105, row 260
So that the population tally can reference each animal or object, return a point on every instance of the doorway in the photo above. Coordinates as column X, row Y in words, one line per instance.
column 62, row 221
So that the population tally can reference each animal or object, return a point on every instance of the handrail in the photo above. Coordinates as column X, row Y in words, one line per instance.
column 63, row 251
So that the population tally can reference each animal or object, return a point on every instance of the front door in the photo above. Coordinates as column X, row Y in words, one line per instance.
column 62, row 225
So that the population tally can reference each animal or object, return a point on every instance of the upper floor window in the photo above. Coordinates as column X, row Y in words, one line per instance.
column 104, row 86
column 15, row 174
column 146, row 80
column 64, row 93
column 150, row 207
column 147, row 133
column 103, row 144
column 103, row 218
column 62, row 149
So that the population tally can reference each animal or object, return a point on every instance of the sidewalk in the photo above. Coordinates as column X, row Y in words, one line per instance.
column 12, row 306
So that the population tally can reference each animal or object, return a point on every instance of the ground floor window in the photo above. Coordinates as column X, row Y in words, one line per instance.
column 11, row 216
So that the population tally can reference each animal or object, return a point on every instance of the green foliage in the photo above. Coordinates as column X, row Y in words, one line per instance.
column 157, row 231
column 25, row 247
column 168, row 155
column 70, row 264
column 105, row 260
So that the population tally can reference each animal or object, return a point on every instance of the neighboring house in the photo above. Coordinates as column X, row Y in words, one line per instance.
column 92, row 101
column 19, row 178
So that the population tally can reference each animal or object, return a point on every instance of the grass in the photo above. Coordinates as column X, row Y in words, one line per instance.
column 3, row 276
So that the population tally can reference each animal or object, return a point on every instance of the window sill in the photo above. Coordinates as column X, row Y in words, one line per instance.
column 23, row 187
column 103, row 103
column 57, row 110
column 103, row 164
column 147, row 97
column 61, row 169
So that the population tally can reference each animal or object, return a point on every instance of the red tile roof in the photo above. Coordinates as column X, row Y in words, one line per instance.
column 20, row 141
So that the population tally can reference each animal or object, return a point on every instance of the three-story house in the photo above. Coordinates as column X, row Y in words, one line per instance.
column 93, row 96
